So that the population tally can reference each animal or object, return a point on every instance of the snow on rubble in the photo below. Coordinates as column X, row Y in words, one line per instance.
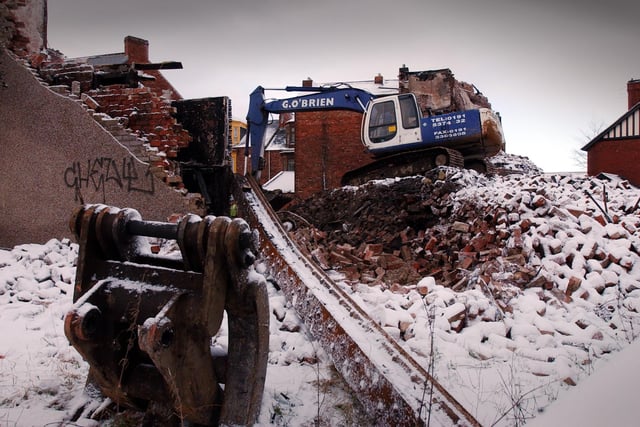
column 581, row 237
column 506, row 357
column 556, row 292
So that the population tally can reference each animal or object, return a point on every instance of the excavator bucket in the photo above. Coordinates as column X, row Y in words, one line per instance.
column 145, row 322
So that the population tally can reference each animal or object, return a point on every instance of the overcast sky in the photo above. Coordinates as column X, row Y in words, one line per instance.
column 556, row 70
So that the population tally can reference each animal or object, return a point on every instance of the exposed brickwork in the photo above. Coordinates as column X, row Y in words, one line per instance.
column 327, row 146
column 65, row 73
column 137, row 50
column 633, row 92
column 145, row 112
column 145, row 108
column 23, row 26
column 60, row 156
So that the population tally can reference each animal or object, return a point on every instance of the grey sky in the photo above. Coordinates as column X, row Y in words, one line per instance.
column 555, row 70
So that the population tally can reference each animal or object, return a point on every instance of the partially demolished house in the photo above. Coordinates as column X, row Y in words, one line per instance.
column 104, row 129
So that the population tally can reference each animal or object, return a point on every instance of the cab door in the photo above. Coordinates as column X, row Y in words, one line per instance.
column 391, row 124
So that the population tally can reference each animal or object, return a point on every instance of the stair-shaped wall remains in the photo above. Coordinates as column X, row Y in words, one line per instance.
column 57, row 154
column 105, row 129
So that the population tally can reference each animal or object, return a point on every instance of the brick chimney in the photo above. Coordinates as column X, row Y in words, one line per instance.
column 378, row 79
column 633, row 92
column 136, row 49
column 308, row 82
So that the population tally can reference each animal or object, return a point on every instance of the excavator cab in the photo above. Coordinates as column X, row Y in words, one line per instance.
column 391, row 121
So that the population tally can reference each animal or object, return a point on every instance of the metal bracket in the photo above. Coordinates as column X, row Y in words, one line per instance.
column 144, row 322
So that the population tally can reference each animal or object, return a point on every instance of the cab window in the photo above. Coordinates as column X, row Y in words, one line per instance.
column 409, row 112
column 382, row 125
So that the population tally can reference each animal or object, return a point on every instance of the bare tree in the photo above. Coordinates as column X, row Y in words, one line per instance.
column 580, row 156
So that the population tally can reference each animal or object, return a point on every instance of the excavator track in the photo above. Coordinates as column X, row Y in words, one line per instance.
column 404, row 164
column 389, row 383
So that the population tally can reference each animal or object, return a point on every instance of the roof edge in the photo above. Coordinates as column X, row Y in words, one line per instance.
column 599, row 137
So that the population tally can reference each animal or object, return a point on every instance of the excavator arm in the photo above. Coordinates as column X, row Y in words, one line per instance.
column 340, row 97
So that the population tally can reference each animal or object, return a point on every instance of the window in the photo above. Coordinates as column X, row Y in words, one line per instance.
column 382, row 125
column 409, row 112
column 291, row 164
column 292, row 136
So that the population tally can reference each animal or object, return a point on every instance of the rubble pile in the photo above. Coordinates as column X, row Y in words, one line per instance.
column 379, row 232
column 504, row 234
column 505, row 164
column 397, row 231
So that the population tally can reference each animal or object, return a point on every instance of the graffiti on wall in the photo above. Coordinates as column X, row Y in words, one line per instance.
column 102, row 174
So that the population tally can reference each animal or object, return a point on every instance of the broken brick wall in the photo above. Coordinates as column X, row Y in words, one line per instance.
column 56, row 157
column 137, row 51
column 144, row 107
column 142, row 110
column 439, row 92
column 23, row 26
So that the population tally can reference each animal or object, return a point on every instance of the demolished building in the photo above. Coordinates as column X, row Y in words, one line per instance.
column 106, row 129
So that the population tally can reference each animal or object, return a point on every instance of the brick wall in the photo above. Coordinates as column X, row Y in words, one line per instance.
column 137, row 50
column 327, row 146
column 142, row 110
column 633, row 92
column 274, row 164
column 618, row 157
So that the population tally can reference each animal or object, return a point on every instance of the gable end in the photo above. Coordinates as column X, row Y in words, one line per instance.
column 627, row 126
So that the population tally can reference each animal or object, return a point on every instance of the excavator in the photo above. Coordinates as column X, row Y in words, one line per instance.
column 401, row 141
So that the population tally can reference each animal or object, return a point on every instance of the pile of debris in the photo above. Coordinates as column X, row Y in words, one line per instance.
column 395, row 232
column 462, row 229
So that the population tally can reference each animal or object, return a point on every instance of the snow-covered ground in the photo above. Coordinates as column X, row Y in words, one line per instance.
column 556, row 356
column 42, row 377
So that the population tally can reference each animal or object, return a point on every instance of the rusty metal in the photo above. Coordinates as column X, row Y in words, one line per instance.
column 144, row 322
column 392, row 386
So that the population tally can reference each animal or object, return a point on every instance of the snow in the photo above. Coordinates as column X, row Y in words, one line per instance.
column 283, row 181
column 606, row 397
column 544, row 360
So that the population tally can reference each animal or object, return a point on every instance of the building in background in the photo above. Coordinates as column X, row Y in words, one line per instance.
column 616, row 150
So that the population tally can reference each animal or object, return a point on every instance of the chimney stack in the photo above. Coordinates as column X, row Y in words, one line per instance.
column 136, row 49
column 633, row 92
column 378, row 79
column 308, row 82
